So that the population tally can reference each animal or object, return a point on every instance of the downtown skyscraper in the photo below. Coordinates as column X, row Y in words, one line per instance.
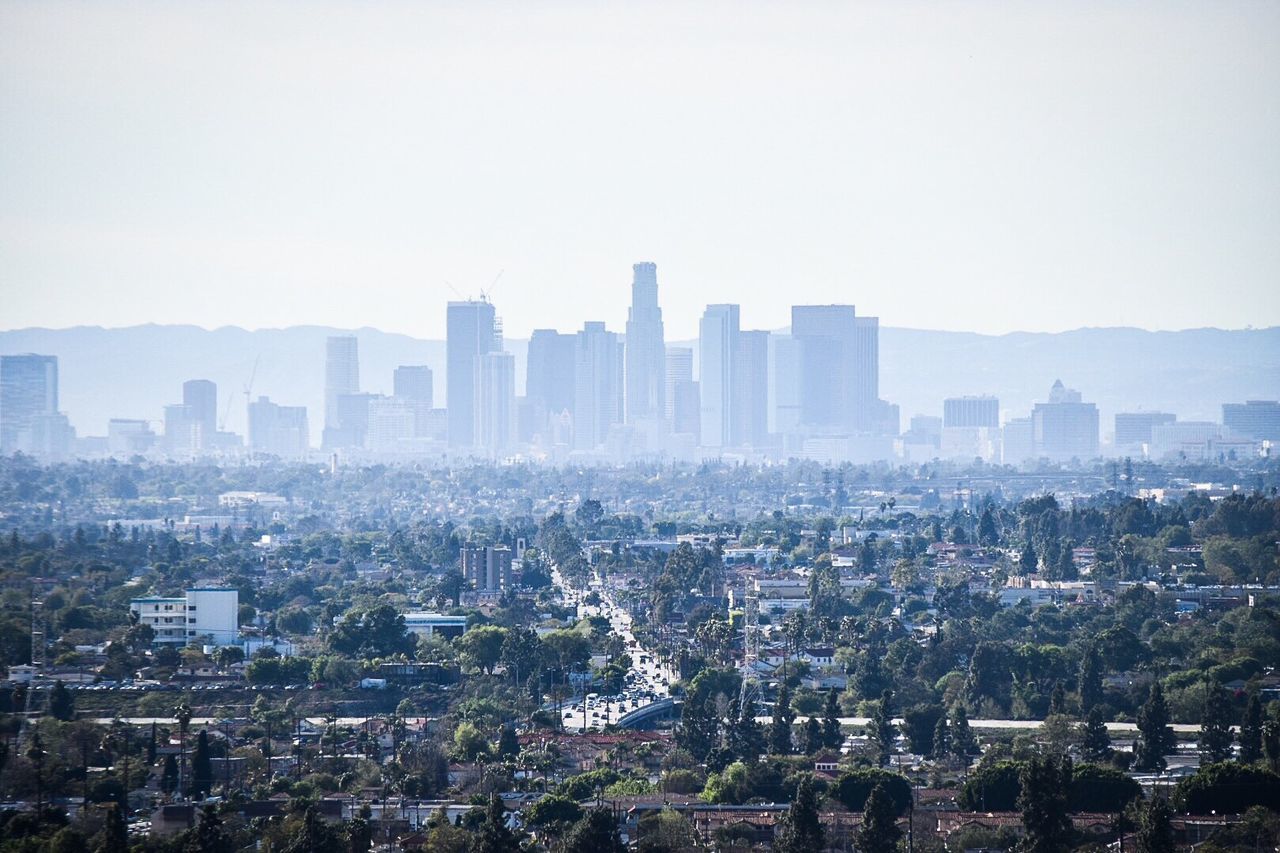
column 645, row 348
column 472, row 331
column 718, row 350
column 341, row 377
column 29, row 418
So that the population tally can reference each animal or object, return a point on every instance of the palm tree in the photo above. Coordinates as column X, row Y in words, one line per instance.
column 183, row 715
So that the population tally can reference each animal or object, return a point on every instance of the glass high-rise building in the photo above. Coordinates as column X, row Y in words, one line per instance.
column 717, row 351
column 597, row 385
column 973, row 411
column 645, row 349
column 1258, row 419
column 413, row 382
column 200, row 397
column 28, row 394
column 472, row 331
column 341, row 377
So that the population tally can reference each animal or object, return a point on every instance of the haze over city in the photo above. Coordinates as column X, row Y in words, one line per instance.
column 639, row 427
column 968, row 167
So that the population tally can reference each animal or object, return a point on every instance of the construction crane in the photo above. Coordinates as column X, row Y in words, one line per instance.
column 248, row 390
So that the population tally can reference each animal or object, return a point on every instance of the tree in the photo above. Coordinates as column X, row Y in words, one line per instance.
column 994, row 786
column 553, row 810
column 201, row 766
column 832, row 737
column 508, row 743
column 520, row 650
column 1102, row 788
column 494, row 835
column 62, row 705
column 1155, row 830
column 941, row 740
column 853, row 788
column 1044, row 803
column 746, row 738
column 811, row 736
column 169, row 776
column 1251, row 730
column 1095, row 741
column 881, row 732
column 800, row 830
column 481, row 647
column 987, row 533
column 1155, row 737
column 1215, row 726
column 963, row 743
column 360, row 834
column 596, row 832
column 1027, row 560
column 919, row 724
column 209, row 836
column 377, row 632
column 665, row 832
column 1227, row 788
column 1271, row 742
column 879, row 832
column 115, row 833
column 780, row 726
column 468, row 742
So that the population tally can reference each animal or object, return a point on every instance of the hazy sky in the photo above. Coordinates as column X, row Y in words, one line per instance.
column 985, row 166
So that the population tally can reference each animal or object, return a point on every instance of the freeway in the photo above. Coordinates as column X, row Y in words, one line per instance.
column 320, row 722
column 647, row 682
column 1005, row 725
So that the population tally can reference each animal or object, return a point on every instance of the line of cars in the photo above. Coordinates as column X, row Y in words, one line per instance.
column 646, row 682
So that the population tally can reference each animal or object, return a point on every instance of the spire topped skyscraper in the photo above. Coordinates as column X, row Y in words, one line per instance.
column 645, row 351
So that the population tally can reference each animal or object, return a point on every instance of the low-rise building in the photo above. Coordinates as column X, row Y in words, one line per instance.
column 432, row 624
column 204, row 614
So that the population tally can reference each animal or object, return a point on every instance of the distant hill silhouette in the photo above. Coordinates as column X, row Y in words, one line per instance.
column 133, row 372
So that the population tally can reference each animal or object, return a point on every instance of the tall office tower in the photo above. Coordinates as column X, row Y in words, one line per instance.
column 869, row 414
column 393, row 422
column 750, row 397
column 679, row 368
column 352, row 427
column 1065, row 427
column 597, row 385
column 341, row 376
column 472, row 331
column 1259, row 419
column 981, row 411
column 278, row 430
column 28, row 392
column 681, row 391
column 200, row 396
column 717, row 347
column 549, row 381
column 784, row 383
column 413, row 389
column 825, row 335
column 1133, row 429
column 645, row 356
column 497, row 403
column 413, row 382
column 181, row 432
column 1018, row 441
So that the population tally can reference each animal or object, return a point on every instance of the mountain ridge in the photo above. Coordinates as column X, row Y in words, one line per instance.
column 133, row 371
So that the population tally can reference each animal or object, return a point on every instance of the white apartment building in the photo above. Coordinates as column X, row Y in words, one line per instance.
column 203, row 615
